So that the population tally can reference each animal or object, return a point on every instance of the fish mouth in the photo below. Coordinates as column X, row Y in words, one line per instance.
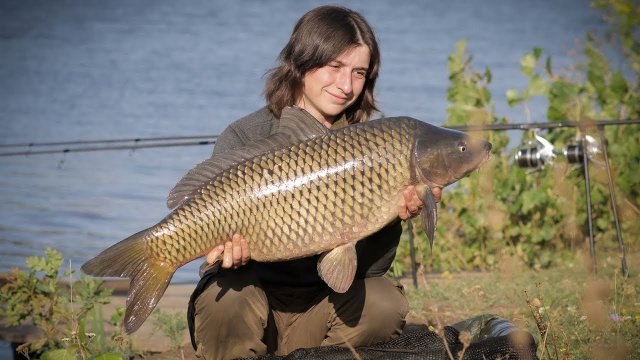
column 476, row 168
column 486, row 159
column 487, row 148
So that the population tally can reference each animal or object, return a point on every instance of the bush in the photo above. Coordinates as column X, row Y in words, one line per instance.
column 37, row 296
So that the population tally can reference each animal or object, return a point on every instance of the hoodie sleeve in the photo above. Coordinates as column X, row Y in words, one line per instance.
column 376, row 252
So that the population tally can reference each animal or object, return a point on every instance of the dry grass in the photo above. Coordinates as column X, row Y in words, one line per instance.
column 572, row 313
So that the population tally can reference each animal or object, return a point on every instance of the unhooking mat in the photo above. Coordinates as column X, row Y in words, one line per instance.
column 491, row 337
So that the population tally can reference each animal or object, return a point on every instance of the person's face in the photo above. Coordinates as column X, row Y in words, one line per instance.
column 329, row 90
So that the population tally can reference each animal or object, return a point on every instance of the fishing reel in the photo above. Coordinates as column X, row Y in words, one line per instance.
column 574, row 152
column 536, row 154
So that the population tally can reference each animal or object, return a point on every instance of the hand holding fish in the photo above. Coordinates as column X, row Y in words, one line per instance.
column 233, row 254
column 412, row 204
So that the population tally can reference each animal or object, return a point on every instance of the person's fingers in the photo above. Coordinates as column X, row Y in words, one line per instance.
column 214, row 255
column 233, row 253
column 437, row 193
column 411, row 200
column 237, row 250
column 227, row 256
column 403, row 213
column 246, row 254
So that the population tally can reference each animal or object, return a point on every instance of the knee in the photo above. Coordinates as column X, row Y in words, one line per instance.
column 222, row 304
column 371, row 313
column 229, row 321
column 385, row 313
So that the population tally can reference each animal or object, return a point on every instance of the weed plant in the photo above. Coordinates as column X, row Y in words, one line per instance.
column 37, row 296
column 174, row 326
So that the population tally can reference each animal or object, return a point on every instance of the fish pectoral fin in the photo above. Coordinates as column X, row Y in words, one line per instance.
column 338, row 267
column 429, row 213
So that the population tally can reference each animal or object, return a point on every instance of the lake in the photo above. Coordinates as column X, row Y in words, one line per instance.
column 88, row 70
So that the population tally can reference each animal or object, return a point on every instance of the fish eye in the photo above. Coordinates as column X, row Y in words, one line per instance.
column 462, row 147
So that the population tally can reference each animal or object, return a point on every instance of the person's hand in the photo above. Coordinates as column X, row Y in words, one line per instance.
column 410, row 204
column 437, row 193
column 234, row 253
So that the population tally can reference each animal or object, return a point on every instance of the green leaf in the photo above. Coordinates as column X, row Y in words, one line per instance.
column 602, row 223
column 108, row 356
column 537, row 86
column 34, row 263
column 537, row 52
column 561, row 95
column 513, row 97
column 528, row 64
column 548, row 66
column 461, row 46
column 486, row 96
column 487, row 74
column 59, row 354
column 118, row 316
column 619, row 85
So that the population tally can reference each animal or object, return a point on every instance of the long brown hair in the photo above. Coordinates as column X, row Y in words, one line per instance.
column 320, row 36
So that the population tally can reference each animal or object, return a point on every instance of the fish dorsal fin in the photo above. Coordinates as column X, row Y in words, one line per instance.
column 338, row 267
column 296, row 126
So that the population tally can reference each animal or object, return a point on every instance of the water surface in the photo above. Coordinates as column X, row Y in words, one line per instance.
column 84, row 70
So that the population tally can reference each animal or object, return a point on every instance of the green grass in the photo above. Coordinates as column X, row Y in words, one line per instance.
column 587, row 316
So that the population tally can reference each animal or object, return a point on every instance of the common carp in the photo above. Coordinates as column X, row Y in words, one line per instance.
column 305, row 190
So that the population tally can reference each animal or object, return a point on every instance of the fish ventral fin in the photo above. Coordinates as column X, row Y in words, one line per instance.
column 149, row 278
column 429, row 212
column 291, row 131
column 338, row 267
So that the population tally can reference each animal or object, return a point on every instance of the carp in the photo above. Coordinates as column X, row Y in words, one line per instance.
column 303, row 191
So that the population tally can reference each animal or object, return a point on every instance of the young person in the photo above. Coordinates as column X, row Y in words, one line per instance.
column 326, row 74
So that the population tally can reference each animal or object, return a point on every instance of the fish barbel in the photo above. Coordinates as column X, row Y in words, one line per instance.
column 301, row 192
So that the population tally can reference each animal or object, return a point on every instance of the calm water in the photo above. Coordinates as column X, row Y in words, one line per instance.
column 73, row 70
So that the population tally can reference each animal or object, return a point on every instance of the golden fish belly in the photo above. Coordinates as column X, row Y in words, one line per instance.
column 295, row 202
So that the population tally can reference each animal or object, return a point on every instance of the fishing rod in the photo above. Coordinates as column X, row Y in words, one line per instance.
column 109, row 141
column 104, row 148
column 544, row 125
column 170, row 141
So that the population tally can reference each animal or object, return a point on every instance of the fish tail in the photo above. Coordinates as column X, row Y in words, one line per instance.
column 149, row 277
